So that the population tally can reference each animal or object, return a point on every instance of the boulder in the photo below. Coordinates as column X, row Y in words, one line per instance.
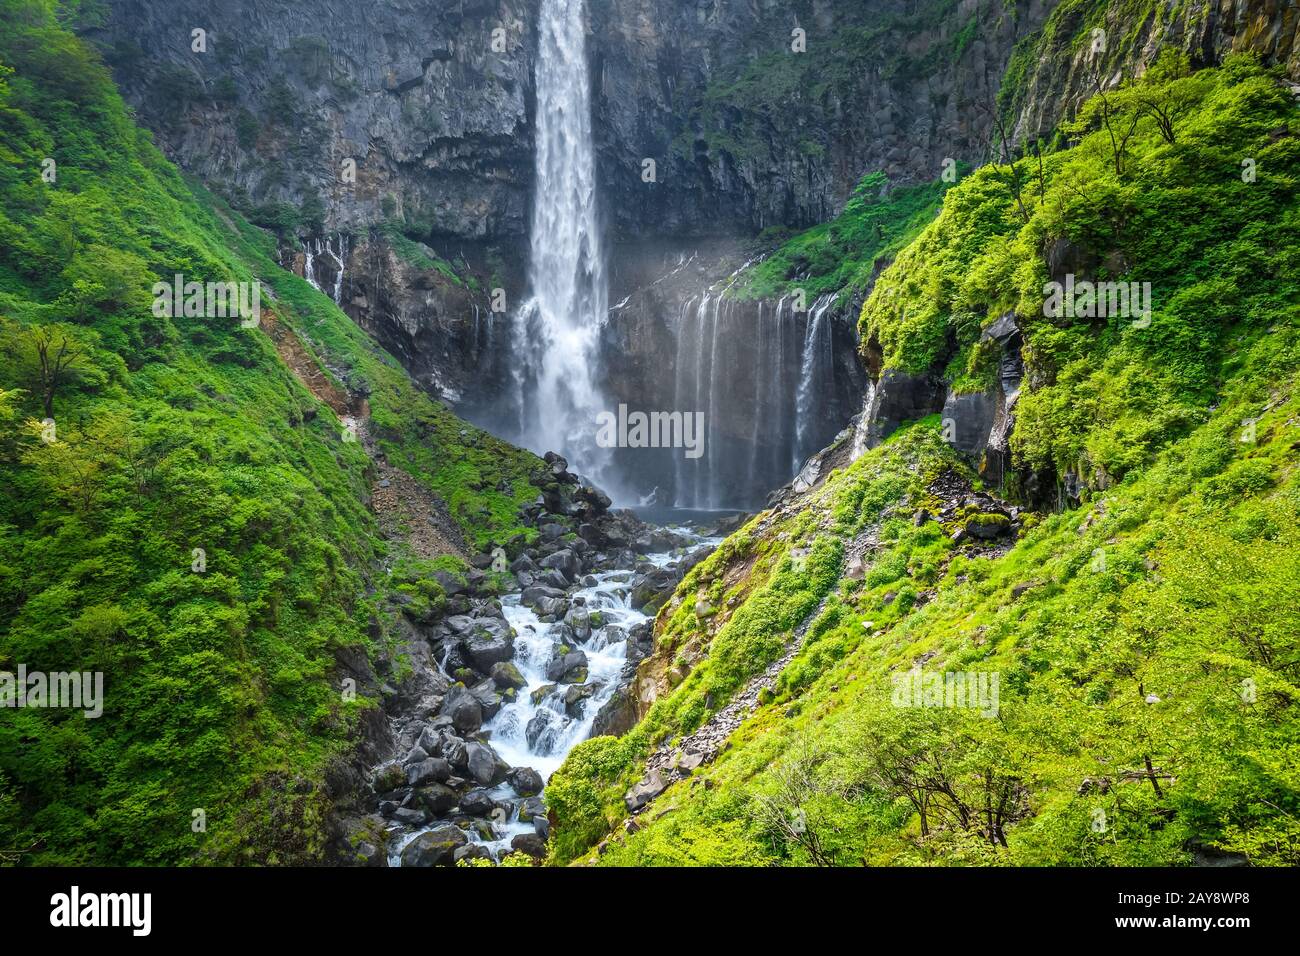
column 484, row 766
column 411, row 816
column 436, row 798
column 477, row 803
column 576, row 696
column 489, row 641
column 464, row 709
column 529, row 843
column 525, row 781
column 650, row 787
column 429, row 770
column 506, row 675
column 568, row 668
column 532, row 809
column 564, row 561
column 435, row 848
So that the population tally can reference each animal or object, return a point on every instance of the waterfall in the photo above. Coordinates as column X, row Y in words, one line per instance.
column 557, row 329
column 814, row 369
column 309, row 269
column 315, row 248
column 764, row 377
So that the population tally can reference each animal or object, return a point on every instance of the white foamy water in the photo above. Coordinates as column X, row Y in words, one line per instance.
column 558, row 328
column 555, row 730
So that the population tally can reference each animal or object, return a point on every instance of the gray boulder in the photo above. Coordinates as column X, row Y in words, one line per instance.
column 435, row 848
column 464, row 709
column 525, row 781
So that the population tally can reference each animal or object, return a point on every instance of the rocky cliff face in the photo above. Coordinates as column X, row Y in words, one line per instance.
column 283, row 95
column 714, row 120
column 1059, row 64
column 755, row 113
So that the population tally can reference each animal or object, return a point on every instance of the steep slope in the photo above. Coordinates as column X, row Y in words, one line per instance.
column 966, row 681
column 193, row 519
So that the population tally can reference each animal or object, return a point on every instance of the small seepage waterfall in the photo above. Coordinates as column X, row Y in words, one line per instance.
column 325, row 264
column 557, row 329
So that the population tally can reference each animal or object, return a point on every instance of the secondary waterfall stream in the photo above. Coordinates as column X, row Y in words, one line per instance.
column 557, row 330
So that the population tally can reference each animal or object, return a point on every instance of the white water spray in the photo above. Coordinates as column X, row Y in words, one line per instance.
column 558, row 329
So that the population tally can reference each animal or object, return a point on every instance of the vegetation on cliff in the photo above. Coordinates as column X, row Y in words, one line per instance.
column 1145, row 642
column 194, row 523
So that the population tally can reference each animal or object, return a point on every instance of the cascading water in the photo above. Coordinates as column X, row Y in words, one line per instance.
column 765, row 378
column 557, row 330
column 815, row 368
column 316, row 248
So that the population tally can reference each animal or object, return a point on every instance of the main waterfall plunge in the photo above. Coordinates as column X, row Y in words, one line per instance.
column 774, row 383
column 557, row 331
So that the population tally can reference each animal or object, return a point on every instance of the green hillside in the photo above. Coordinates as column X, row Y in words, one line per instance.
column 170, row 435
column 1146, row 642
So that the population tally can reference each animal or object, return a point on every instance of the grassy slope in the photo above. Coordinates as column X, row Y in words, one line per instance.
column 845, row 254
column 176, row 434
column 1178, row 578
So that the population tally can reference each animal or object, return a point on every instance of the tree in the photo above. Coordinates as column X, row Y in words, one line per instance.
column 53, row 357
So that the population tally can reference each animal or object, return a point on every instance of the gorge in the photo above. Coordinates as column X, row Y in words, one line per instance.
column 371, row 583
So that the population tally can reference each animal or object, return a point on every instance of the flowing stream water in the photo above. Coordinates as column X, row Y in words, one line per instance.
column 545, row 721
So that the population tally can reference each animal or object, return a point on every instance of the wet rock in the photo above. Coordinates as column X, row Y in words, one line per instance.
column 552, row 578
column 428, row 770
column 435, row 848
column 489, row 697
column 576, row 697
column 416, row 754
column 505, row 674
column 541, row 730
column 484, row 766
column 529, row 843
column 464, row 709
column 579, row 622
column 525, row 781
column 564, row 561
column 489, row 641
column 532, row 809
column 567, row 668
column 540, row 694
column 436, row 798
column 411, row 816
column 545, row 601
column 477, row 803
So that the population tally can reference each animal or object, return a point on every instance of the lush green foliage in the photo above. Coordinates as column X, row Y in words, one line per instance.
column 171, row 435
column 1145, row 644
column 845, row 254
